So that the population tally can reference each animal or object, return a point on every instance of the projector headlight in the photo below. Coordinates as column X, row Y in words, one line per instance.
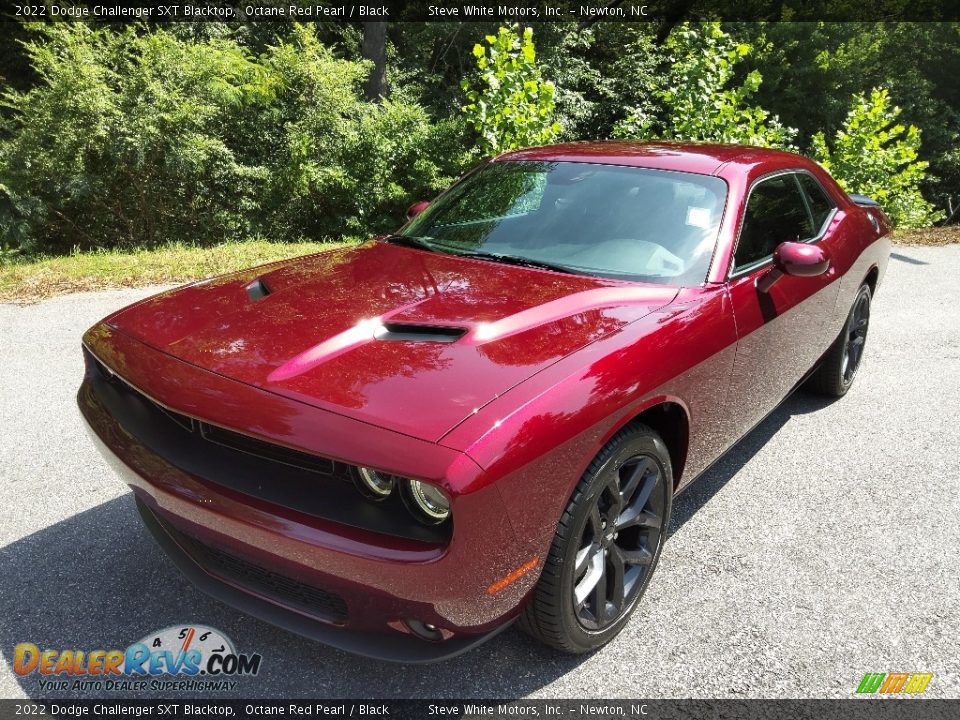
column 428, row 503
column 374, row 484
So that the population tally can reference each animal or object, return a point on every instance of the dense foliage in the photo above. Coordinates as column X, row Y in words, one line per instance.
column 513, row 106
column 696, row 96
column 138, row 138
column 130, row 136
column 874, row 154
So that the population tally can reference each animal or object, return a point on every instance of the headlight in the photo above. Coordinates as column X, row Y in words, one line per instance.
column 375, row 485
column 426, row 502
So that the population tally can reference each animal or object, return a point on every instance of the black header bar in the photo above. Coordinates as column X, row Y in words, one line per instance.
column 525, row 11
column 200, row 709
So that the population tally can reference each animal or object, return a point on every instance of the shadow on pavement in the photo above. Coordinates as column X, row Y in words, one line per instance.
column 907, row 259
column 98, row 581
column 699, row 493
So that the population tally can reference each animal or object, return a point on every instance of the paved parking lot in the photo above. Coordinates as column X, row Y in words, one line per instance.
column 826, row 545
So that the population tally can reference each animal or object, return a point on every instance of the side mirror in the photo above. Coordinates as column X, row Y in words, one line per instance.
column 417, row 208
column 797, row 259
column 801, row 259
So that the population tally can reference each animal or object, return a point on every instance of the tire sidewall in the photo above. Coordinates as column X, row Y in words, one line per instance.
column 644, row 443
column 864, row 290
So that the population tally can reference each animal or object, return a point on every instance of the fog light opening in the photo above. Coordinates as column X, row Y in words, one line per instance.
column 426, row 631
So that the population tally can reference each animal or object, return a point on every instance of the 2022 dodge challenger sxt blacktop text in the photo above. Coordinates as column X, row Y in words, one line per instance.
column 399, row 447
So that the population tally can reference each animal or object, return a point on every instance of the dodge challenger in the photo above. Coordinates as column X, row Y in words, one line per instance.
column 400, row 447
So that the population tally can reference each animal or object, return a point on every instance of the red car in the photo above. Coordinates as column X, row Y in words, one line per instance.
column 398, row 448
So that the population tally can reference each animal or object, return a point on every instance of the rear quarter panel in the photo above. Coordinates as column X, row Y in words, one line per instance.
column 864, row 249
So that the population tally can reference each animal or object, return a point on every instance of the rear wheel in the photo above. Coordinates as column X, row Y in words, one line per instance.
column 607, row 545
column 839, row 367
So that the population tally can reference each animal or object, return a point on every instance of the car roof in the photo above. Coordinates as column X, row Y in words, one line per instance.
column 695, row 157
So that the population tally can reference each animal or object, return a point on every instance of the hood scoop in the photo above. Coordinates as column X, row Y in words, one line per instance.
column 411, row 332
column 257, row 290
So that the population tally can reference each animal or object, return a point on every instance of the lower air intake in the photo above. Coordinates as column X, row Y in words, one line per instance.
column 292, row 593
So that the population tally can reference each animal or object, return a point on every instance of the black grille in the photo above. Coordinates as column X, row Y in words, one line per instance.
column 320, row 603
column 235, row 440
column 268, row 451
column 183, row 421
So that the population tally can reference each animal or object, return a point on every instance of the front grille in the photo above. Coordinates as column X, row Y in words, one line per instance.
column 234, row 440
column 293, row 593
column 236, row 463
column 268, row 451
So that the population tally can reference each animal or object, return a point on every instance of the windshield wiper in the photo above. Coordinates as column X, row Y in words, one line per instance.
column 410, row 241
column 517, row 260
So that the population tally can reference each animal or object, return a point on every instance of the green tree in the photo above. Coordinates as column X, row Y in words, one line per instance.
column 875, row 155
column 811, row 70
column 339, row 164
column 696, row 99
column 511, row 106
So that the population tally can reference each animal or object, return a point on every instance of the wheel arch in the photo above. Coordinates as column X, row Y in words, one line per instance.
column 872, row 278
column 669, row 417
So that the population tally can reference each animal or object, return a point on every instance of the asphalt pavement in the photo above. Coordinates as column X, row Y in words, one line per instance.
column 824, row 546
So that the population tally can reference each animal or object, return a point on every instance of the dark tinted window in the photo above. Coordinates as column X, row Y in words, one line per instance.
column 775, row 214
column 820, row 205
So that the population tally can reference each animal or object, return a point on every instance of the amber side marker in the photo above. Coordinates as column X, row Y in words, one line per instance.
column 514, row 576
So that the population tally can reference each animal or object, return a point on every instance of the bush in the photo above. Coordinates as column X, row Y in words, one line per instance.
column 126, row 141
column 512, row 106
column 136, row 138
column 874, row 155
column 346, row 166
column 693, row 100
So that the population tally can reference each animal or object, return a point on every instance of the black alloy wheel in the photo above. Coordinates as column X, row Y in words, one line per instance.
column 618, row 543
column 839, row 366
column 607, row 545
column 856, row 337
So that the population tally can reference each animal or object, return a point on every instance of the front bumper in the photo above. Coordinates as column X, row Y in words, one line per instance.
column 393, row 647
column 345, row 586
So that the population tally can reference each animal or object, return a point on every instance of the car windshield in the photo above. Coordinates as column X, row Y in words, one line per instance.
column 607, row 220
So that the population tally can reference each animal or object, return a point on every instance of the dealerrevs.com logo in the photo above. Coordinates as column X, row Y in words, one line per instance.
column 180, row 657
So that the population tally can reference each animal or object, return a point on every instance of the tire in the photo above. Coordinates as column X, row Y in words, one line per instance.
column 839, row 367
column 609, row 534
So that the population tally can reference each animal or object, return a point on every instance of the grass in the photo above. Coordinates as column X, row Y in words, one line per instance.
column 928, row 236
column 30, row 279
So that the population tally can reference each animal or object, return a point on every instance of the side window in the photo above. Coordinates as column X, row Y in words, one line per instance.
column 775, row 213
column 820, row 204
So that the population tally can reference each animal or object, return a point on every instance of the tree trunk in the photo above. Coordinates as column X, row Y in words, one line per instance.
column 374, row 48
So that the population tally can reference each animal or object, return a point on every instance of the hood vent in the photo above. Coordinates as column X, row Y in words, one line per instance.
column 257, row 290
column 395, row 331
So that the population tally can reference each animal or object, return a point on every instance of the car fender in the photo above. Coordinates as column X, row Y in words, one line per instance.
column 536, row 441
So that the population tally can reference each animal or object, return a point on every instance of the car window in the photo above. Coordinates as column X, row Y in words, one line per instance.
column 594, row 219
column 820, row 205
column 775, row 213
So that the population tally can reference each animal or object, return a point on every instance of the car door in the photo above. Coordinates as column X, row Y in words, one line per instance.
column 780, row 330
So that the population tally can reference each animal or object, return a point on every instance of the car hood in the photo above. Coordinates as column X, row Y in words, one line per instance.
column 410, row 340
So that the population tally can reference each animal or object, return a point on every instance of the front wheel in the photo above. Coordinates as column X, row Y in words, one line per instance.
column 839, row 367
column 607, row 545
